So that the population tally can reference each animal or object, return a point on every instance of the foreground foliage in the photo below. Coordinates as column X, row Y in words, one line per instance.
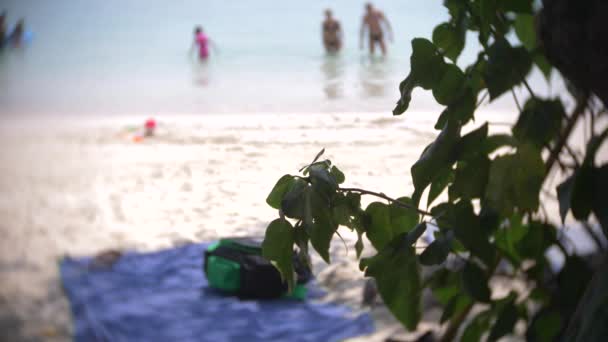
column 493, row 212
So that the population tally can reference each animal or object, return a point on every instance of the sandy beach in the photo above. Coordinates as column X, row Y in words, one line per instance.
column 80, row 186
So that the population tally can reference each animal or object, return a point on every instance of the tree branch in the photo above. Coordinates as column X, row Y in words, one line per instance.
column 383, row 196
column 563, row 139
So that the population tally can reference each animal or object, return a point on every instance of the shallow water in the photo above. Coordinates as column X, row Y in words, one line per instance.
column 126, row 57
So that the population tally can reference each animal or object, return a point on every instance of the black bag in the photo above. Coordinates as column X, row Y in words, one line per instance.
column 236, row 266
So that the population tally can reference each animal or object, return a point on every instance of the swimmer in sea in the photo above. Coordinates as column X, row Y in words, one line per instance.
column 16, row 38
column 2, row 28
column 202, row 41
column 373, row 20
column 332, row 33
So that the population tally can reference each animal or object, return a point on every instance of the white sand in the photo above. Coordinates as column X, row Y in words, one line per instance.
column 78, row 187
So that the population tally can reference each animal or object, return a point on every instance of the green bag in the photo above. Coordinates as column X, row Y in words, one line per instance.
column 236, row 266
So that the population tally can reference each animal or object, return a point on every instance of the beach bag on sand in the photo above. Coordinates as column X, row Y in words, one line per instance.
column 236, row 266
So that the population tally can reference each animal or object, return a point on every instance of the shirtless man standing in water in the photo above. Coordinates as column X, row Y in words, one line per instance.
column 373, row 20
column 332, row 33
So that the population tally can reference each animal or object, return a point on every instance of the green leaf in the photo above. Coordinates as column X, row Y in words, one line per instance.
column 505, row 322
column 426, row 63
column 494, row 142
column 279, row 190
column 564, row 195
column 471, row 144
column 293, row 204
column 477, row 327
column 468, row 230
column 524, row 28
column 455, row 306
column 545, row 327
column 388, row 221
column 426, row 68
column 449, row 40
column 539, row 237
column 278, row 248
column 321, row 233
column 402, row 219
column 451, row 85
column 405, row 90
column 397, row 275
column 439, row 184
column 380, row 231
column 460, row 110
column 305, row 168
column 515, row 181
column 434, row 159
column 470, row 179
column 517, row 6
column 475, row 282
column 359, row 245
column 543, row 64
column 507, row 67
column 412, row 236
column 322, row 181
column 437, row 251
column 540, row 122
column 337, row 175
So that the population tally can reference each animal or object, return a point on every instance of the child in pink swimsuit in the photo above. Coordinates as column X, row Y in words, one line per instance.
column 202, row 41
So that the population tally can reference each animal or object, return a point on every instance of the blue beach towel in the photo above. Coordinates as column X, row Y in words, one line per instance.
column 163, row 296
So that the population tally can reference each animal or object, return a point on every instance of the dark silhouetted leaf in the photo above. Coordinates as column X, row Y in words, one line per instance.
column 454, row 307
column 582, row 192
column 505, row 322
column 322, row 181
column 517, row 6
column 294, row 201
column 439, row 184
column 278, row 248
column 337, row 174
column 471, row 144
column 494, row 142
column 321, row 233
column 507, row 67
column 397, row 275
column 540, row 122
column 470, row 179
column 450, row 86
column 426, row 63
column 435, row 158
column 545, row 327
column 359, row 245
column 477, row 327
column 460, row 110
column 564, row 194
column 279, row 190
column 437, row 251
column 515, row 181
column 475, row 282
column 449, row 39
column 600, row 205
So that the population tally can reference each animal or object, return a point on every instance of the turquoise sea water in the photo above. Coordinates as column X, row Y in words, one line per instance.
column 132, row 57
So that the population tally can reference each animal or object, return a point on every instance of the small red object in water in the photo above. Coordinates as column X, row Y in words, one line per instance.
column 150, row 123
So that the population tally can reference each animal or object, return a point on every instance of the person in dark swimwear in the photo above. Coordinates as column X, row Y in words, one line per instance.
column 2, row 28
column 374, row 20
column 332, row 33
column 16, row 38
